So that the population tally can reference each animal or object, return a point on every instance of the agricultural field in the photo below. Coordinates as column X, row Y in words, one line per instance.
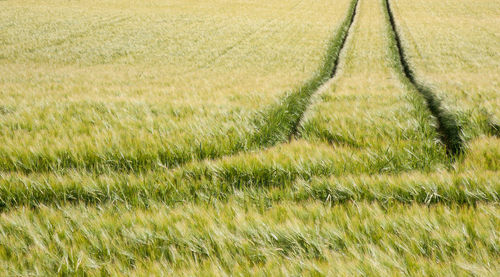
column 305, row 137
column 134, row 90
column 459, row 59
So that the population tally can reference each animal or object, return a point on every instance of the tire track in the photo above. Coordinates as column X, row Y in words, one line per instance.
column 273, row 125
column 447, row 189
column 490, row 121
column 279, row 123
column 333, row 72
column 447, row 127
column 282, row 122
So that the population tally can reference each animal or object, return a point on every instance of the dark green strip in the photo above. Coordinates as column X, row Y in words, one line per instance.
column 447, row 127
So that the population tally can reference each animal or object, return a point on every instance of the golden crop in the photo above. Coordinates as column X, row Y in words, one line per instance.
column 249, row 137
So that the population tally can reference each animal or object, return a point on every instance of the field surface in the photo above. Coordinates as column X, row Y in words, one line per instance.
column 305, row 137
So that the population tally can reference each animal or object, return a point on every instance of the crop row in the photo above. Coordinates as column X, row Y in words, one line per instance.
column 227, row 238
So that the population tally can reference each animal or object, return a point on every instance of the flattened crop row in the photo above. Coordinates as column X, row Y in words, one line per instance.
column 275, row 185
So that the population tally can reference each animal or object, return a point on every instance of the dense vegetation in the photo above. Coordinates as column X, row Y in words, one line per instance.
column 229, row 137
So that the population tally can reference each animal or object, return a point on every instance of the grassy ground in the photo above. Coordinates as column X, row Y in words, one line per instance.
column 233, row 152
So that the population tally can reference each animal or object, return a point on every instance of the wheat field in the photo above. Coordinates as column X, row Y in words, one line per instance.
column 242, row 138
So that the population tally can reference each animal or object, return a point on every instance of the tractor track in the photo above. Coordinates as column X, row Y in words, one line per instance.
column 447, row 127
column 282, row 122
column 344, row 35
column 273, row 125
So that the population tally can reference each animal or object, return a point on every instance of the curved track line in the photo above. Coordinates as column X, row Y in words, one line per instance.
column 493, row 127
column 345, row 32
column 448, row 128
column 281, row 122
column 275, row 124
